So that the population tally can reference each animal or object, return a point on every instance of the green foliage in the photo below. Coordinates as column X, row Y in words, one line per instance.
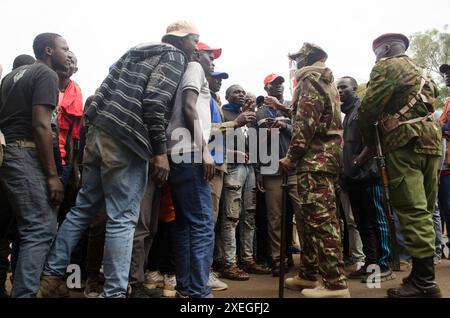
column 361, row 90
column 430, row 49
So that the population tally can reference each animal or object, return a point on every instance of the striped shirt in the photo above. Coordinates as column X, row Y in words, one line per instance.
column 135, row 100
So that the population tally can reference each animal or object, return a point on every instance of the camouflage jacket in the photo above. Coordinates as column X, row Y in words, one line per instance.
column 316, row 143
column 394, row 82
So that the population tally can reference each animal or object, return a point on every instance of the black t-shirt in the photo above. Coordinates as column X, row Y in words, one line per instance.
column 36, row 84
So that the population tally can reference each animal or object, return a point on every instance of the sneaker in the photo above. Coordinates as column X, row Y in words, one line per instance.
column 170, row 282
column 323, row 292
column 353, row 267
column 234, row 273
column 138, row 290
column 385, row 275
column 153, row 279
column 180, row 295
column 53, row 287
column 253, row 268
column 358, row 274
column 92, row 289
column 215, row 283
column 297, row 283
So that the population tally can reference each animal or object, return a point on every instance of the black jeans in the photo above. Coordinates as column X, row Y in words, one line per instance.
column 162, row 256
column 370, row 219
column 6, row 224
column 95, row 245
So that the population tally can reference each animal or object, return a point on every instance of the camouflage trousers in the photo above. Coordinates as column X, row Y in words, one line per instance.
column 319, row 230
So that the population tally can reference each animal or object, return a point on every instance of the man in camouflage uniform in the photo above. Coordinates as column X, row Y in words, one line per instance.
column 400, row 96
column 316, row 148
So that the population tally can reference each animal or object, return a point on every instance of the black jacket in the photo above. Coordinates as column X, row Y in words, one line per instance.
column 353, row 145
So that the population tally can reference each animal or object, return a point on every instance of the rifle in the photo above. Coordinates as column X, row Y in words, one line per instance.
column 387, row 200
column 284, row 186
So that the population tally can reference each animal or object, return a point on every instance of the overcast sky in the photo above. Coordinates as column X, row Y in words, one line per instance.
column 255, row 36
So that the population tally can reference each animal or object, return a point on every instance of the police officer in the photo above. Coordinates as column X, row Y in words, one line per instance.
column 400, row 96
column 316, row 150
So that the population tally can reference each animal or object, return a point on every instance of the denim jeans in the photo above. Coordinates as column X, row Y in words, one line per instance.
column 23, row 181
column 193, row 230
column 239, row 199
column 115, row 176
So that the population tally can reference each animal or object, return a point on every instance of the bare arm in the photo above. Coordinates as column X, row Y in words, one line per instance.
column 189, row 100
column 42, row 132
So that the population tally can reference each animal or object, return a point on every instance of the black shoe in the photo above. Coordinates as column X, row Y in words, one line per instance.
column 139, row 291
column 410, row 290
column 359, row 274
column 420, row 283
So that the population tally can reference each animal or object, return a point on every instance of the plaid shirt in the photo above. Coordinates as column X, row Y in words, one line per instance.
column 134, row 102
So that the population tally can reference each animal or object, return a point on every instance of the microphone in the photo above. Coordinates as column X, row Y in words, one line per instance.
column 259, row 100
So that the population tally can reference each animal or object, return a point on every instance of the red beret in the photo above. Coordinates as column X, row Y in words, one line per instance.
column 389, row 37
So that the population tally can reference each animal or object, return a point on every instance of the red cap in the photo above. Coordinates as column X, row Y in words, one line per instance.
column 389, row 37
column 203, row 47
column 271, row 77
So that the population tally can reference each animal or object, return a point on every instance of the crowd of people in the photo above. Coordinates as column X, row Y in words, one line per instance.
column 154, row 187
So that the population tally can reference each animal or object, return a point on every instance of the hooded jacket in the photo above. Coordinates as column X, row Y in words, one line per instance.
column 134, row 102
column 316, row 143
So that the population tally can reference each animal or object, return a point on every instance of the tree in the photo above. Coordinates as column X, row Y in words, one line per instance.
column 431, row 49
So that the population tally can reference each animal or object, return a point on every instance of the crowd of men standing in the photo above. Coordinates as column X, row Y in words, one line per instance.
column 145, row 179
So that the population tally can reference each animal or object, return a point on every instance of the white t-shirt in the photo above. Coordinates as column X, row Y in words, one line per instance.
column 178, row 137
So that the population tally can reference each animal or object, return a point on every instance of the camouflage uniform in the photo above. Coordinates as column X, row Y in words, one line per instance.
column 412, row 150
column 316, row 146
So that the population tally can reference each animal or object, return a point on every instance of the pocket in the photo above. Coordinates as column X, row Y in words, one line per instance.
column 395, row 183
column 399, row 193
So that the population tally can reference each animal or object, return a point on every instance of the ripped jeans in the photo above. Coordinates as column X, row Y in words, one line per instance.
column 239, row 207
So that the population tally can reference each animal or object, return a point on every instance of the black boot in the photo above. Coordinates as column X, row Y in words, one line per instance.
column 421, row 283
column 408, row 278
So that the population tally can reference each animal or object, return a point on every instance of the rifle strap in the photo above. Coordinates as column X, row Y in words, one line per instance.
column 418, row 97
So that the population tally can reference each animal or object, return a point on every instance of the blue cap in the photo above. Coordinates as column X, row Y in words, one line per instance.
column 221, row 75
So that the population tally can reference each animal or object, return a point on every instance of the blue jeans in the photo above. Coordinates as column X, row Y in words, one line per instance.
column 24, row 182
column 115, row 176
column 193, row 230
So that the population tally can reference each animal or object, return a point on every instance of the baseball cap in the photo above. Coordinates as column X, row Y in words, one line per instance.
column 204, row 47
column 308, row 49
column 271, row 77
column 221, row 75
column 181, row 29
